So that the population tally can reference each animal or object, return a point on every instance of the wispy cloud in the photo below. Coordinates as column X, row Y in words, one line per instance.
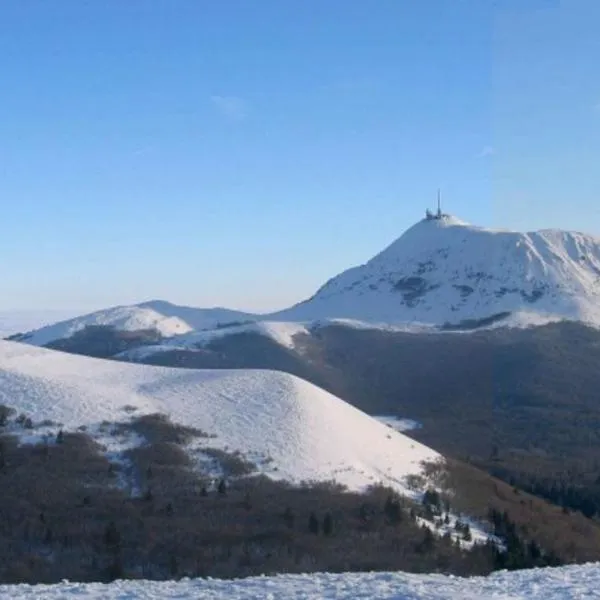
column 486, row 151
column 142, row 150
column 231, row 107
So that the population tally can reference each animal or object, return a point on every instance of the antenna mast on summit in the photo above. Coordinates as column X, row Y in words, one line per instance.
column 439, row 210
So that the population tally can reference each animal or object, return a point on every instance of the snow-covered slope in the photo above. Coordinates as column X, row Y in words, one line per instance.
column 563, row 583
column 446, row 271
column 165, row 318
column 307, row 432
column 281, row 333
column 198, row 318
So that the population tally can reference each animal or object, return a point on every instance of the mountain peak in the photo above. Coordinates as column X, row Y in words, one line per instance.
column 443, row 270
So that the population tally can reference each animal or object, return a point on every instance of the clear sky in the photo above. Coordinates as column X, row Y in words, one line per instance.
column 241, row 152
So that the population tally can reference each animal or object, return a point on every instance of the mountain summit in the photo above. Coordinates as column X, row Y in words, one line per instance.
column 443, row 270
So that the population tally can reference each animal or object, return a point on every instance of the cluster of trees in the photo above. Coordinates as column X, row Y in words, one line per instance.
column 580, row 493
column 64, row 513
column 518, row 553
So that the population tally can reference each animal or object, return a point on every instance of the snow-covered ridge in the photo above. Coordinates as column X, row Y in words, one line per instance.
column 439, row 272
column 562, row 583
column 307, row 433
column 122, row 318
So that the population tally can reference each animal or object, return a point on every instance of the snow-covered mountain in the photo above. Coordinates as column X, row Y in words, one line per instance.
column 298, row 430
column 447, row 271
column 442, row 271
column 167, row 319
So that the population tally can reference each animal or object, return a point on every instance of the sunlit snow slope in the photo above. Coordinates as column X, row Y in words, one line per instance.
column 446, row 271
column 165, row 318
column 307, row 432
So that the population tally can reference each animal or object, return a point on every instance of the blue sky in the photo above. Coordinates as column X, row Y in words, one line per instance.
column 242, row 152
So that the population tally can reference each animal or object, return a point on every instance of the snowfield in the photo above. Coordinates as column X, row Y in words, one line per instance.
column 563, row 583
column 300, row 431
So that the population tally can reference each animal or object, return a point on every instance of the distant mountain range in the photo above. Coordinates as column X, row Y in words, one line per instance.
column 441, row 273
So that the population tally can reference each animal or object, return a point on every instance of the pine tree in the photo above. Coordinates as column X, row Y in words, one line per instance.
column 115, row 570
column 363, row 513
column 428, row 542
column 313, row 523
column 222, row 489
column 60, row 437
column 392, row 510
column 467, row 533
column 112, row 537
column 327, row 524
column 173, row 566
column 288, row 517
column 48, row 537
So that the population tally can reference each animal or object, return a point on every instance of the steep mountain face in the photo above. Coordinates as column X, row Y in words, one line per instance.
column 446, row 271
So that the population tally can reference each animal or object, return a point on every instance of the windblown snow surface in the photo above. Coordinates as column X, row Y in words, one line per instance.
column 302, row 432
column 563, row 583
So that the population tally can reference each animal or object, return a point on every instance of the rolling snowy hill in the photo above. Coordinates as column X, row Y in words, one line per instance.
column 165, row 318
column 304, row 432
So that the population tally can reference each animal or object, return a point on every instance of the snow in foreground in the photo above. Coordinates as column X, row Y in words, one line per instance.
column 582, row 581
column 292, row 429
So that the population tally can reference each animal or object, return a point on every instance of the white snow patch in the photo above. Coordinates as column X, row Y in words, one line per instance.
column 560, row 583
column 282, row 333
column 398, row 423
column 122, row 318
column 309, row 433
